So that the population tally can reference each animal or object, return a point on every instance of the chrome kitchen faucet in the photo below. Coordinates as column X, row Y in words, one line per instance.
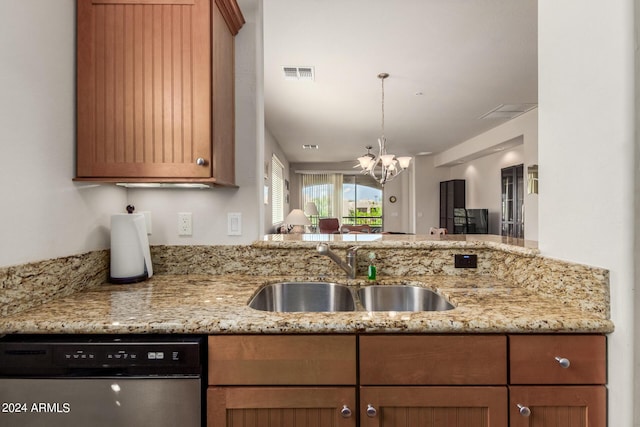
column 350, row 266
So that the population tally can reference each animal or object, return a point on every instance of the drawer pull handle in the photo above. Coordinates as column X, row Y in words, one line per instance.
column 201, row 161
column 345, row 411
column 371, row 411
column 563, row 361
column 524, row 411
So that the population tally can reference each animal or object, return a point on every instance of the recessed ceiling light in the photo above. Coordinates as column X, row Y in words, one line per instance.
column 424, row 153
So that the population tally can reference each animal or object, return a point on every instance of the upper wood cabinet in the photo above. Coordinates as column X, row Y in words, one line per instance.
column 155, row 88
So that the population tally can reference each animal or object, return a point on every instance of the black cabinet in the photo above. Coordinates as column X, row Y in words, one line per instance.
column 452, row 197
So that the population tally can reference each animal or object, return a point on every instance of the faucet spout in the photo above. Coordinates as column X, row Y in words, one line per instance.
column 349, row 266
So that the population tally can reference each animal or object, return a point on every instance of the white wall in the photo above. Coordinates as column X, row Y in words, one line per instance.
column 483, row 177
column 43, row 214
column 397, row 216
column 427, row 193
column 480, row 168
column 586, row 151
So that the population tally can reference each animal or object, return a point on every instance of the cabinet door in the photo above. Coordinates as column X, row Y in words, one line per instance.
column 560, row 406
column 144, row 88
column 433, row 406
column 281, row 406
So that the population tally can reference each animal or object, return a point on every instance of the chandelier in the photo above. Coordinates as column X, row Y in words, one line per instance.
column 382, row 167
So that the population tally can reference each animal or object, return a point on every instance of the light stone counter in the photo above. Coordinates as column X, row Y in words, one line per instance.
column 206, row 304
column 205, row 289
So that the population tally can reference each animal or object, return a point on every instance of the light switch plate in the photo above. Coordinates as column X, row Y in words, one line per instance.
column 234, row 224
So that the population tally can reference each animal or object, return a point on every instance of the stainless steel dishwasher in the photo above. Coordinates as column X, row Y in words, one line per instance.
column 125, row 380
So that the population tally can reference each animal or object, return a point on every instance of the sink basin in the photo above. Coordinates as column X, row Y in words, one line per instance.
column 401, row 298
column 303, row 296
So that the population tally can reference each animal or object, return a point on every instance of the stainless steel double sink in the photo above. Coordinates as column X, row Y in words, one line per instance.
column 332, row 297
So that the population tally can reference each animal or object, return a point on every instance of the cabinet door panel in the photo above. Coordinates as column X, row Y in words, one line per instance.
column 561, row 406
column 433, row 359
column 434, row 406
column 280, row 406
column 144, row 88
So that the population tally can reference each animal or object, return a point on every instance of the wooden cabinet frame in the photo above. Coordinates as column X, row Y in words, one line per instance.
column 427, row 380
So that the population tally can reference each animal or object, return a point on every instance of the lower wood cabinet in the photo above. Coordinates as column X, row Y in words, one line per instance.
column 557, row 380
column 281, row 406
column 433, row 406
column 393, row 380
column 558, row 406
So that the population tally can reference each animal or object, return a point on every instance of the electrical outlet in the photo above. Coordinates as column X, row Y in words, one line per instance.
column 465, row 261
column 185, row 227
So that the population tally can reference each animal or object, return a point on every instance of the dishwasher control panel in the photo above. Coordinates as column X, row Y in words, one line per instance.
column 125, row 356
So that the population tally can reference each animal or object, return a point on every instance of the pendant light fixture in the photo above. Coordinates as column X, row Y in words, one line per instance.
column 382, row 167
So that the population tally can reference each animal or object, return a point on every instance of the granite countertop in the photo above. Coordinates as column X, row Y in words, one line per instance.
column 217, row 304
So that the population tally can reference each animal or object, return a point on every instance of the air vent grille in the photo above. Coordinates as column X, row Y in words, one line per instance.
column 508, row 111
column 298, row 73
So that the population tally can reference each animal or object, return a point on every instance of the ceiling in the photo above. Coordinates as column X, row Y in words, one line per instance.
column 450, row 62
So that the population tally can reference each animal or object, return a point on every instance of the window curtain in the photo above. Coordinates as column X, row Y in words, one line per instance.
column 325, row 190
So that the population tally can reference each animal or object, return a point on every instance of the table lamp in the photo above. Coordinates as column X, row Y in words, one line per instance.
column 298, row 219
column 311, row 209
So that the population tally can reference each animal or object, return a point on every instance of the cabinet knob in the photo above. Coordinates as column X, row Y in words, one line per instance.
column 371, row 411
column 201, row 161
column 564, row 362
column 524, row 411
column 345, row 412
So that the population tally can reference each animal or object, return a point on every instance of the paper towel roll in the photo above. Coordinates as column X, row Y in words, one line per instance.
column 130, row 254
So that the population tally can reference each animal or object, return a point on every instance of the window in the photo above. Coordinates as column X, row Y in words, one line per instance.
column 353, row 199
column 324, row 189
column 362, row 201
column 277, row 190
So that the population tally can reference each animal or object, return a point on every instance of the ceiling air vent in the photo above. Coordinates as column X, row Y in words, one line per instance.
column 298, row 73
column 508, row 111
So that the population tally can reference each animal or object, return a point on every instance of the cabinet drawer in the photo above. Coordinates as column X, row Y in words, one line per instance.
column 433, row 359
column 282, row 360
column 535, row 359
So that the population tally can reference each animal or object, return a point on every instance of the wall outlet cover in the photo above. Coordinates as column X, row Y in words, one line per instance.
column 466, row 261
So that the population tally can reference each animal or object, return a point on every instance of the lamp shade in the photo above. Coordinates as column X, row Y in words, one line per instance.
column 310, row 208
column 297, row 217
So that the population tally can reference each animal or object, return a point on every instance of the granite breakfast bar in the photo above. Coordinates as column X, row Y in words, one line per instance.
column 205, row 290
column 519, row 320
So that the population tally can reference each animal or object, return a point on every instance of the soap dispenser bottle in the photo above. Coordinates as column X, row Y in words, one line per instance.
column 371, row 271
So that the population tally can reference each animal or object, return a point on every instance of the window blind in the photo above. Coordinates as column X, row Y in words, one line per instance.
column 277, row 190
